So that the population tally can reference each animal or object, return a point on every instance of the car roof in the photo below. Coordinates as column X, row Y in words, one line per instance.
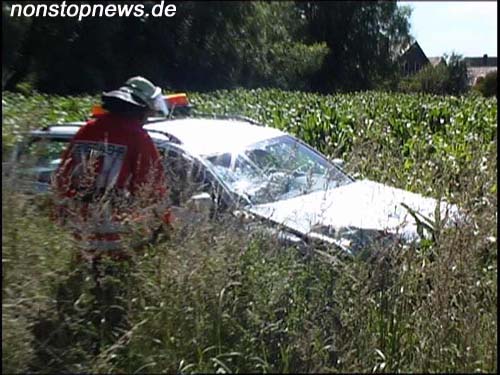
column 200, row 136
column 64, row 131
column 212, row 136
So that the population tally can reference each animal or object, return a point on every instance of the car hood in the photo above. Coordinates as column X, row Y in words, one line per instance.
column 353, row 211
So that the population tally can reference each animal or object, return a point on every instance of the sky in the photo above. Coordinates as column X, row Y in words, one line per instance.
column 468, row 28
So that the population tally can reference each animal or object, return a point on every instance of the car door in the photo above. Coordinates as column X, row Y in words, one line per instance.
column 188, row 177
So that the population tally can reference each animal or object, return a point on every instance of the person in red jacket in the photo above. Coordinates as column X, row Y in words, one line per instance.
column 111, row 186
column 111, row 174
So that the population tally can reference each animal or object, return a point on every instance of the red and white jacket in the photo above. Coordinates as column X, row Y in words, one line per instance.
column 110, row 154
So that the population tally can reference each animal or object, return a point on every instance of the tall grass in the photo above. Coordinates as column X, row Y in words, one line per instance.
column 214, row 298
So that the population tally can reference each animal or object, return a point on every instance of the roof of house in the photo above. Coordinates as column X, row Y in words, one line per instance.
column 481, row 61
column 414, row 49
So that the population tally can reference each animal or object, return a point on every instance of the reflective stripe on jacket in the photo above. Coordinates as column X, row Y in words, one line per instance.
column 110, row 164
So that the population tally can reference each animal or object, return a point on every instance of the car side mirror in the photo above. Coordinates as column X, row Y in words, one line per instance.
column 202, row 203
column 338, row 163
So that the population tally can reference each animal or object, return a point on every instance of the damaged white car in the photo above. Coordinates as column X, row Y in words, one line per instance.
column 233, row 165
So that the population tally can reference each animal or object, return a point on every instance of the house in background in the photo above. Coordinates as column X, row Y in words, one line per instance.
column 414, row 59
column 478, row 67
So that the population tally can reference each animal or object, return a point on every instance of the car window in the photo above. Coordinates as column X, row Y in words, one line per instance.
column 286, row 156
column 276, row 169
column 39, row 158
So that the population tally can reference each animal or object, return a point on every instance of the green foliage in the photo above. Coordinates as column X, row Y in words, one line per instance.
column 443, row 79
column 13, row 33
column 487, row 86
column 430, row 80
column 457, row 73
column 206, row 46
column 273, row 52
column 362, row 37
column 214, row 299
column 424, row 136
column 23, row 112
column 292, row 64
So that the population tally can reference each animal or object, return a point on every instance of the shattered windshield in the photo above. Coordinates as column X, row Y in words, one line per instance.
column 276, row 169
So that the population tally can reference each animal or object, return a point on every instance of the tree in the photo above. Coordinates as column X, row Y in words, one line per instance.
column 208, row 45
column 17, row 44
column 363, row 38
column 275, row 51
column 487, row 86
column 443, row 79
column 430, row 80
column 457, row 75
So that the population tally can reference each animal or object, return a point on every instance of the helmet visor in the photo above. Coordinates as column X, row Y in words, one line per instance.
column 160, row 105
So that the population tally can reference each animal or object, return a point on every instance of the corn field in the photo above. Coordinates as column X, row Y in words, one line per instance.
column 221, row 301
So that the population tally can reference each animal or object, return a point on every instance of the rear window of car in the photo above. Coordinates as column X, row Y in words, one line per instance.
column 38, row 158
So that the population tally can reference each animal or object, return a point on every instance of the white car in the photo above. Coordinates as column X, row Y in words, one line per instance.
column 264, row 174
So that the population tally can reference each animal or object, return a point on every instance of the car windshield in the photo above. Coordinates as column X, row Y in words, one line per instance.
column 276, row 169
